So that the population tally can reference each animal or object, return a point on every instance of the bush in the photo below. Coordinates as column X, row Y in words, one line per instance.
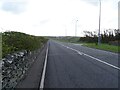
column 17, row 41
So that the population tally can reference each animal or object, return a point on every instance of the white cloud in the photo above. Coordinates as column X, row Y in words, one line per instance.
column 49, row 17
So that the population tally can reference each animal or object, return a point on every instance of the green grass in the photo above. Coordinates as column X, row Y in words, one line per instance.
column 106, row 47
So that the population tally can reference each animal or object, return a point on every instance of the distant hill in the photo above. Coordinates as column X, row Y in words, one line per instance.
column 66, row 38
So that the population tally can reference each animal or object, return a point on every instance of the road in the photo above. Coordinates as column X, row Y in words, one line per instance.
column 76, row 66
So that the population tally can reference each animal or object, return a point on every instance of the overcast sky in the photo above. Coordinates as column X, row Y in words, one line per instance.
column 57, row 17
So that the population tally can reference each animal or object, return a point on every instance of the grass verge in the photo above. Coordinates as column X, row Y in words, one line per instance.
column 106, row 47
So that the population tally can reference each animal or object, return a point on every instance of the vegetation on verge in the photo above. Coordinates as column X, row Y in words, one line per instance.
column 106, row 47
column 109, row 40
column 17, row 41
column 109, row 37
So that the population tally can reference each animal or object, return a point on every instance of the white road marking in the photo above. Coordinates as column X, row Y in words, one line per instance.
column 102, row 61
column 44, row 70
column 97, row 49
column 81, row 53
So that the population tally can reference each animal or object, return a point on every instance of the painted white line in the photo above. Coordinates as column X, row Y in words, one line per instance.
column 102, row 61
column 81, row 53
column 44, row 70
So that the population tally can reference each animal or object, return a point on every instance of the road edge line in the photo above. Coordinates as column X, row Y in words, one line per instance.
column 43, row 73
column 81, row 53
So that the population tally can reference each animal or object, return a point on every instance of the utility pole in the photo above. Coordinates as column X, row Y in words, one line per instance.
column 76, row 28
column 99, row 37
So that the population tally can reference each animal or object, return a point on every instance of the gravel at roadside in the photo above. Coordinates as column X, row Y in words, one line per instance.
column 33, row 76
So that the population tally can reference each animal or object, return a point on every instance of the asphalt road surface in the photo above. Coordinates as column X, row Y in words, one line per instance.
column 75, row 66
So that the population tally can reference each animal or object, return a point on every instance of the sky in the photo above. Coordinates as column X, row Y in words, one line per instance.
column 57, row 17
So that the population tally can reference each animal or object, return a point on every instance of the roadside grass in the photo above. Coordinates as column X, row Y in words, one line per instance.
column 102, row 46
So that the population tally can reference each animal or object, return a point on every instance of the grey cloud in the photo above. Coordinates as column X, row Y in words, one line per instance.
column 40, row 23
column 93, row 2
column 14, row 7
column 96, row 2
column 44, row 21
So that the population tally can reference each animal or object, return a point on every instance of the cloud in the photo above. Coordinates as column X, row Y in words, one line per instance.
column 15, row 7
column 44, row 21
column 93, row 2
column 53, row 17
